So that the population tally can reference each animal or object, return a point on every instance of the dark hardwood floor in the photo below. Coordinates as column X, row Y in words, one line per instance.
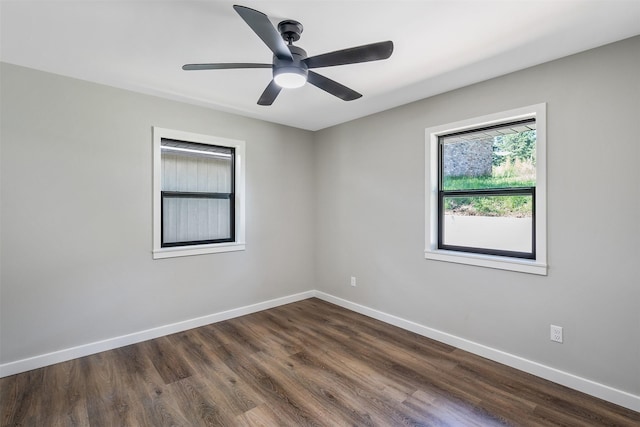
column 307, row 363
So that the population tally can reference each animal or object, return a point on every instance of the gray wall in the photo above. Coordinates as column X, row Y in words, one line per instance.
column 77, row 216
column 370, row 207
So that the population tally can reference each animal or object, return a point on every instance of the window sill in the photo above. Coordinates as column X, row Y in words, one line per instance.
column 489, row 261
column 197, row 250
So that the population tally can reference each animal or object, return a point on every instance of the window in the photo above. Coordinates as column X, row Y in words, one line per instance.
column 198, row 194
column 486, row 195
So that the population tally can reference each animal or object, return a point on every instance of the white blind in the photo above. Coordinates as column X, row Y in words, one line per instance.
column 196, row 168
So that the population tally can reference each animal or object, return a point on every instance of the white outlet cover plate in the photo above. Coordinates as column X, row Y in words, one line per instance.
column 556, row 333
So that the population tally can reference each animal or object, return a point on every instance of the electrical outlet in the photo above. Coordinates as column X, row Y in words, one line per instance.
column 556, row 333
column 353, row 281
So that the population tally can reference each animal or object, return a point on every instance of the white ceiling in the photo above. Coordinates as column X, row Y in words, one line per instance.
column 439, row 45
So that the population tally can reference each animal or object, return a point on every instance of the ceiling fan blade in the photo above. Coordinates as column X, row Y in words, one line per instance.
column 270, row 93
column 260, row 24
column 333, row 87
column 233, row 65
column 354, row 55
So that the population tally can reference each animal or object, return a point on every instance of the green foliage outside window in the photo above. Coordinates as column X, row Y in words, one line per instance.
column 514, row 165
column 516, row 146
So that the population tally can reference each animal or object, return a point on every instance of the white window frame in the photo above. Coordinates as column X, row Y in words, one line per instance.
column 177, row 251
column 537, row 266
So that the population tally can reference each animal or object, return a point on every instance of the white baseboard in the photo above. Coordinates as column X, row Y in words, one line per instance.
column 40, row 361
column 575, row 382
column 584, row 385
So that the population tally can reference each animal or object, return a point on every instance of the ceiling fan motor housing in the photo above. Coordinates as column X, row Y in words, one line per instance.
column 295, row 66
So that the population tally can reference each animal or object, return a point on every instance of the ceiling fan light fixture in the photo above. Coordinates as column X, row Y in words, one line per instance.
column 290, row 77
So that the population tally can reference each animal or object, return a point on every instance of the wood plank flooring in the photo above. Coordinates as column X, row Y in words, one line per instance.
column 307, row 363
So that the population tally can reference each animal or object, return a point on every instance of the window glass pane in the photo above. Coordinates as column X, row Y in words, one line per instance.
column 496, row 157
column 501, row 223
column 196, row 167
column 188, row 219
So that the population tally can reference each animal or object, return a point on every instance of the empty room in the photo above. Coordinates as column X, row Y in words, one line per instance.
column 288, row 213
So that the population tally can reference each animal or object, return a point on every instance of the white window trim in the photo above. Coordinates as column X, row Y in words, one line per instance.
column 537, row 266
column 239, row 244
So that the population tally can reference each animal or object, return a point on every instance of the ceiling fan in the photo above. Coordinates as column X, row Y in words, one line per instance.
column 291, row 66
